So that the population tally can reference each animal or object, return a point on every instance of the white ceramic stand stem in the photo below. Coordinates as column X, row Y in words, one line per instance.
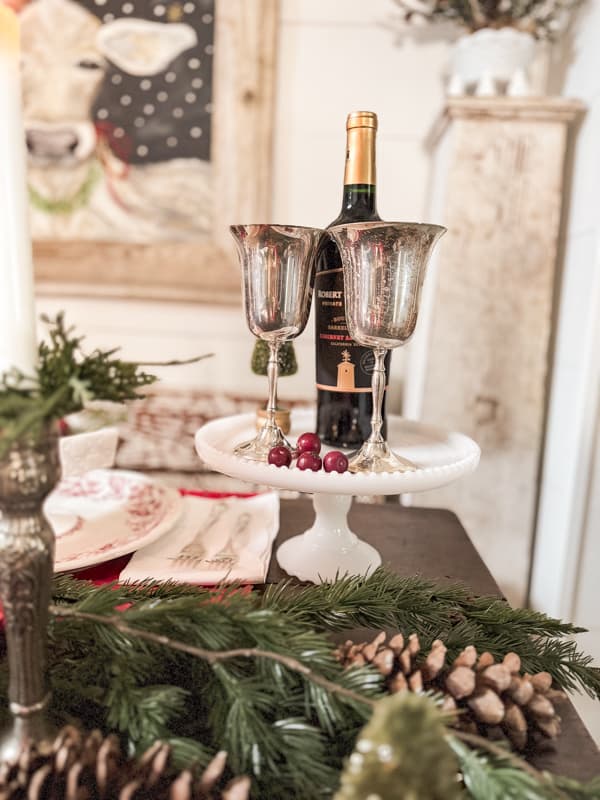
column 329, row 548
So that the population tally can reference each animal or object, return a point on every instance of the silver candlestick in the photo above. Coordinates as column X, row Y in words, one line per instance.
column 28, row 473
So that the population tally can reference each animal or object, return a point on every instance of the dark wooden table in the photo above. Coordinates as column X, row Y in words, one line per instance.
column 433, row 543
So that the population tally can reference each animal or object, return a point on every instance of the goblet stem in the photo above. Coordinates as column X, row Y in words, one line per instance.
column 269, row 435
column 375, row 454
column 378, row 388
column 272, row 374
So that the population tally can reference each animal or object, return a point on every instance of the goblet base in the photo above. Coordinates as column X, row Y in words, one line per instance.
column 378, row 457
column 257, row 449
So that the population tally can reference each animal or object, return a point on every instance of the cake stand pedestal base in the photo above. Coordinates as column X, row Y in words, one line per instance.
column 328, row 549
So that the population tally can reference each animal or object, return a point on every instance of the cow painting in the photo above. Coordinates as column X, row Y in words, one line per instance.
column 117, row 106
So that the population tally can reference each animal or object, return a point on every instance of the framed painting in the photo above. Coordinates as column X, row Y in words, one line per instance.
column 149, row 131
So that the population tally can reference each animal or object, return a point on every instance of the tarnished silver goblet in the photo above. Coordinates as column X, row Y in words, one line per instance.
column 277, row 268
column 384, row 267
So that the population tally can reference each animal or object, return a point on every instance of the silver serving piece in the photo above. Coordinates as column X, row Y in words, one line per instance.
column 278, row 269
column 384, row 267
column 28, row 473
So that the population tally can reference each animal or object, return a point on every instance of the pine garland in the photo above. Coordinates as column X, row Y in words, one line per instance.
column 254, row 673
column 451, row 613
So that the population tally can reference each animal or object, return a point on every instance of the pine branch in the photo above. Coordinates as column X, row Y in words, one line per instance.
column 251, row 675
column 413, row 604
column 495, row 775
column 144, row 700
column 262, row 713
column 515, row 761
column 409, row 604
column 213, row 657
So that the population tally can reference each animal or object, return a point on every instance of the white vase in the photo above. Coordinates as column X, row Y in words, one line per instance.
column 494, row 58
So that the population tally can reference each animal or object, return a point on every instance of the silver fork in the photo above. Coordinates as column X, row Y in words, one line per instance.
column 193, row 552
column 227, row 557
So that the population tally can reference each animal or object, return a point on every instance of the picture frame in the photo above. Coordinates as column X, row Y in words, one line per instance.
column 241, row 154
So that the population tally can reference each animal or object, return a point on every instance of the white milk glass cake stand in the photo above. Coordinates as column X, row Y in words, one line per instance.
column 329, row 548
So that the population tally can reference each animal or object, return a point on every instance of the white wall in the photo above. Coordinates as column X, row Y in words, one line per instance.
column 567, row 553
column 334, row 57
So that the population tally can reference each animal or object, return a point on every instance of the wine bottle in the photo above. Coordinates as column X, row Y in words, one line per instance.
column 344, row 368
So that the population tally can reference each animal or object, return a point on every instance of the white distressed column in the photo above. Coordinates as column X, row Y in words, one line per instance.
column 480, row 361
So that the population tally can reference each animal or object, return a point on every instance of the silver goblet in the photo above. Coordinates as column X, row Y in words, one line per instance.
column 384, row 267
column 278, row 268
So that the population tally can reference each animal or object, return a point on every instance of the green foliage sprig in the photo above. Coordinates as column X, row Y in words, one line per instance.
column 253, row 673
column 65, row 380
column 494, row 777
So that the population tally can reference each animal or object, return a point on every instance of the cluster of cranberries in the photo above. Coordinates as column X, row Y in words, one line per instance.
column 307, row 452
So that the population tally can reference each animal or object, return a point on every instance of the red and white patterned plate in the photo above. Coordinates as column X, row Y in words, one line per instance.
column 108, row 513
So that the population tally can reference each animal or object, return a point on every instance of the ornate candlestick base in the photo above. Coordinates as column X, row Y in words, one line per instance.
column 28, row 473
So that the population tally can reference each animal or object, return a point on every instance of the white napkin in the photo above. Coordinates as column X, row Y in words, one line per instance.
column 82, row 452
column 215, row 540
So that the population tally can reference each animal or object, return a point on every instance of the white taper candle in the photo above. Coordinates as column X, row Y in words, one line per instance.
column 17, row 311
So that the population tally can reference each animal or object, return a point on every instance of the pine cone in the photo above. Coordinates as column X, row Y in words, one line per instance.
column 489, row 695
column 82, row 766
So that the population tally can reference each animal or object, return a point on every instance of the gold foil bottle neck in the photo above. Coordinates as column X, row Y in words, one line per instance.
column 361, row 119
column 361, row 127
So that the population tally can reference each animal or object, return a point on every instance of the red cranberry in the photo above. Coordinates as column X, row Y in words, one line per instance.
column 280, row 456
column 63, row 427
column 309, row 461
column 308, row 443
column 334, row 461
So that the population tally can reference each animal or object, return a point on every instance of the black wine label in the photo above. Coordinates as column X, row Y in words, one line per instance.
column 342, row 364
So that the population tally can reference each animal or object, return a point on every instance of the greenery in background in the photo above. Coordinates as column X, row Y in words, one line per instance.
column 254, row 673
column 286, row 358
column 66, row 379
column 544, row 19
